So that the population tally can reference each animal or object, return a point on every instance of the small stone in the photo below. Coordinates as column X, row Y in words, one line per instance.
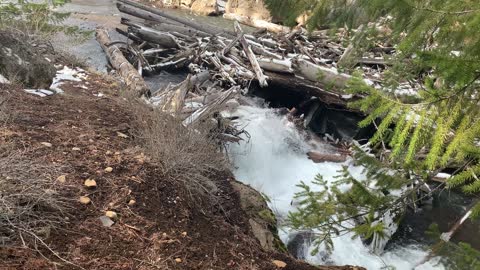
column 122, row 135
column 108, row 152
column 106, row 221
column 111, row 214
column 131, row 202
column 108, row 169
column 76, row 149
column 90, row 183
column 47, row 144
column 84, row 200
column 184, row 234
column 178, row 260
column 62, row 179
column 279, row 264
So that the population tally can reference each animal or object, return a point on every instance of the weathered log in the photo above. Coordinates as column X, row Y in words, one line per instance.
column 166, row 40
column 316, row 73
column 133, row 80
column 187, row 31
column 251, row 57
column 276, row 65
column 317, row 157
column 176, row 98
column 210, row 107
column 305, row 87
column 143, row 14
column 210, row 29
column 257, row 23
column 179, row 60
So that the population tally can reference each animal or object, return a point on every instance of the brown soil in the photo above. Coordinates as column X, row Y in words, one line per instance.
column 164, row 229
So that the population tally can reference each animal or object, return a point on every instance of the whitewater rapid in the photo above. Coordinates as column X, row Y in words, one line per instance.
column 274, row 161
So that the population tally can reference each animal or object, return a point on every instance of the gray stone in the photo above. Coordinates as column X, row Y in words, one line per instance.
column 106, row 221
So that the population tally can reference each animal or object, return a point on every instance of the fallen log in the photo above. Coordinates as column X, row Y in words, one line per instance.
column 276, row 65
column 133, row 80
column 166, row 40
column 212, row 30
column 305, row 87
column 143, row 14
column 316, row 73
column 251, row 56
column 272, row 27
column 210, row 107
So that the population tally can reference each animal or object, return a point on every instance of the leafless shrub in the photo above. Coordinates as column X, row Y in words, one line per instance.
column 30, row 205
column 187, row 154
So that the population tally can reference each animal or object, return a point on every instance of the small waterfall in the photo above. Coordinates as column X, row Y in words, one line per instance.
column 274, row 161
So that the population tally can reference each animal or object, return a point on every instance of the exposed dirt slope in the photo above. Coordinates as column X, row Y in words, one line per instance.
column 163, row 229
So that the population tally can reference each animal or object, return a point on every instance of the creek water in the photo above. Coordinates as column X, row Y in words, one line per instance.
column 274, row 161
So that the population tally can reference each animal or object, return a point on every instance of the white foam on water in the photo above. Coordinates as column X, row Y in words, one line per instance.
column 274, row 161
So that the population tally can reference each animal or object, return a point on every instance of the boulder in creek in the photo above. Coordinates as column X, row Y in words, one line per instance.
column 21, row 62
column 261, row 219
column 254, row 9
column 205, row 7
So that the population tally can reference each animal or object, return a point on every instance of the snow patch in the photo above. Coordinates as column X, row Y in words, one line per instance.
column 67, row 74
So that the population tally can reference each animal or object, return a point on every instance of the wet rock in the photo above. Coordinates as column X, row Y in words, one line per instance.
column 254, row 9
column 20, row 61
column 298, row 243
column 261, row 219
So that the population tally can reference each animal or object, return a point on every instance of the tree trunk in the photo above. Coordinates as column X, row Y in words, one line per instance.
column 133, row 80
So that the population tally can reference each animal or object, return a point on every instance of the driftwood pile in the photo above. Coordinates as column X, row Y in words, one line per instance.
column 222, row 63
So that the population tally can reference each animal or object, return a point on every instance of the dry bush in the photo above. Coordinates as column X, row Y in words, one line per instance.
column 30, row 206
column 186, row 154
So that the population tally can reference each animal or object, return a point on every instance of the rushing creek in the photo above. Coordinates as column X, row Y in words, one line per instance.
column 274, row 161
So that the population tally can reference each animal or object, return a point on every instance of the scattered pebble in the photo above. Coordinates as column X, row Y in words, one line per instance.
column 62, row 179
column 279, row 264
column 76, row 149
column 84, row 200
column 47, row 144
column 184, row 234
column 108, row 169
column 90, row 183
column 122, row 135
column 131, row 202
column 111, row 214
column 178, row 260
